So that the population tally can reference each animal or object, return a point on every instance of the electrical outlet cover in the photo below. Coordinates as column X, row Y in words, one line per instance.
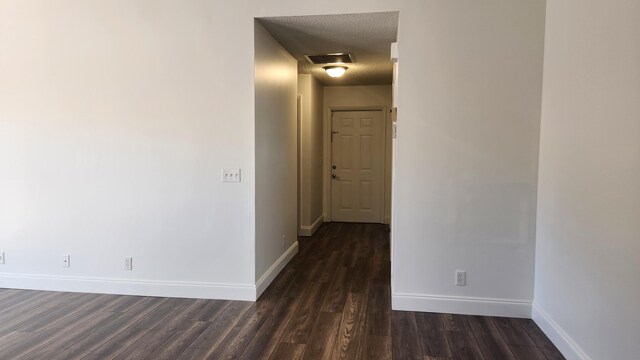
column 461, row 278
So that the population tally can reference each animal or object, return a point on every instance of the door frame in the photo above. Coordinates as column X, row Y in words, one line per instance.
column 327, row 156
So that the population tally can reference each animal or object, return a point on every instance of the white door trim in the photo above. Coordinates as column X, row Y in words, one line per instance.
column 326, row 158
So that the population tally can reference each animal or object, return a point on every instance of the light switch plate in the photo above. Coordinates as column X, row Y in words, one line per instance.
column 230, row 175
column 1, row 257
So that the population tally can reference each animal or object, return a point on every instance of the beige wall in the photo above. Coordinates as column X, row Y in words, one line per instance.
column 311, row 147
column 588, row 233
column 116, row 118
column 469, row 95
column 276, row 140
column 358, row 96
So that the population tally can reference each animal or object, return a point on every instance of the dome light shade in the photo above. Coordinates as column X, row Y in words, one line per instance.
column 335, row 71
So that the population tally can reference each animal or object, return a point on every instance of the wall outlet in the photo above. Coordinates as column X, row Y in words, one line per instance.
column 230, row 175
column 66, row 261
column 461, row 278
column 128, row 263
column 284, row 241
column 1, row 257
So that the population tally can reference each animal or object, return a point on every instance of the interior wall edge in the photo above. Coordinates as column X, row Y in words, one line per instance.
column 558, row 336
column 310, row 230
column 267, row 278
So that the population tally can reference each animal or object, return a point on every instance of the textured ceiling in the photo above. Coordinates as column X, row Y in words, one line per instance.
column 367, row 36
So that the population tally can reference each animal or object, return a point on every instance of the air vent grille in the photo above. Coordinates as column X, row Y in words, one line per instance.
column 339, row 58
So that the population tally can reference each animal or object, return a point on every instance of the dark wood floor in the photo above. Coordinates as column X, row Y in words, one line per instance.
column 331, row 302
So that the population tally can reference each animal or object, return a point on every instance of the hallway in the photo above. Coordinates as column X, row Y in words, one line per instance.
column 332, row 301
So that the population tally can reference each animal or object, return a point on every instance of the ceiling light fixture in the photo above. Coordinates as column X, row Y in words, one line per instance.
column 335, row 71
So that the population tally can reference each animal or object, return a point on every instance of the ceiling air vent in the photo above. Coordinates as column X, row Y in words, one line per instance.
column 338, row 58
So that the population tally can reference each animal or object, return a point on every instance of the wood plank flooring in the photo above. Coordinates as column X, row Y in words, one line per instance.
column 332, row 301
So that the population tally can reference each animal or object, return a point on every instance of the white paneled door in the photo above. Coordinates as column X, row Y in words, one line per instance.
column 357, row 166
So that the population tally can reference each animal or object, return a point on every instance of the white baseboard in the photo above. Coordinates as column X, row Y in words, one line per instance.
column 461, row 305
column 181, row 289
column 309, row 230
column 569, row 348
column 275, row 269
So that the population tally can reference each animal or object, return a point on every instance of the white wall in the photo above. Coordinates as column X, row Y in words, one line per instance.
column 311, row 135
column 358, row 96
column 115, row 121
column 467, row 149
column 276, row 75
column 117, row 116
column 588, row 234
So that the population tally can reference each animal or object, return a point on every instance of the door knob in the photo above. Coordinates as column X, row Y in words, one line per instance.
column 335, row 176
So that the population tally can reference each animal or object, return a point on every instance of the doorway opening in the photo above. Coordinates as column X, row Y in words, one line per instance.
column 343, row 137
column 323, row 141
